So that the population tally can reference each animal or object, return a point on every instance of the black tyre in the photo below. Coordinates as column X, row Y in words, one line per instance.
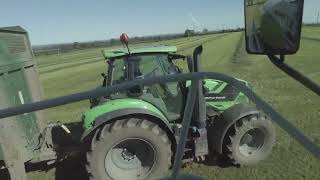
column 129, row 149
column 250, row 140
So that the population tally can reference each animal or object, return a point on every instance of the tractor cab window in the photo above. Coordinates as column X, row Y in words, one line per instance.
column 168, row 67
column 138, row 67
column 119, row 71
column 148, row 66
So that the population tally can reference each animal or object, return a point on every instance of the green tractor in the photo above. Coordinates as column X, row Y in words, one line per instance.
column 133, row 134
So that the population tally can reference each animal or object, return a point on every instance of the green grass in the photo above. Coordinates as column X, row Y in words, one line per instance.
column 311, row 32
column 80, row 70
column 302, row 107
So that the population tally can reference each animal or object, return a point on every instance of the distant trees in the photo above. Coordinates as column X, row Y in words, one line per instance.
column 312, row 24
column 76, row 45
column 134, row 40
column 112, row 41
column 95, row 44
column 205, row 30
column 189, row 32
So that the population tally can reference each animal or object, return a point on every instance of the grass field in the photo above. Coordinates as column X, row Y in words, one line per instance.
column 80, row 70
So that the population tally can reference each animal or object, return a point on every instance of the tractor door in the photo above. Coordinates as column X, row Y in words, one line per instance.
column 173, row 97
column 167, row 97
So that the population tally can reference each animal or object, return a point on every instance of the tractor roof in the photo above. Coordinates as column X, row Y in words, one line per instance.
column 18, row 29
column 115, row 53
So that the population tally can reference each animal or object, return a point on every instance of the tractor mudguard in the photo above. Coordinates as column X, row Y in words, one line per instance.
column 218, row 130
column 103, row 115
column 137, row 112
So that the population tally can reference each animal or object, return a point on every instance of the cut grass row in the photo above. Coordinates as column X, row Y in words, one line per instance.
column 311, row 32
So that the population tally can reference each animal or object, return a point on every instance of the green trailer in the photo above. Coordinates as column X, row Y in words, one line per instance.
column 19, row 84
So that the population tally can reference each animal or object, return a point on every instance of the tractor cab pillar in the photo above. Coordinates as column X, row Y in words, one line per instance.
column 199, row 112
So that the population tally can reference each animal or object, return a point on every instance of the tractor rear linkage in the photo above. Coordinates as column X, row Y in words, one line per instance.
column 195, row 78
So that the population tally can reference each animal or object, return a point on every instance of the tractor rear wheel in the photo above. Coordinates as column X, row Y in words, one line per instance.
column 129, row 149
column 250, row 140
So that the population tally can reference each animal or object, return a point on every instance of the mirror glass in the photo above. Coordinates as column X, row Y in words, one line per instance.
column 273, row 26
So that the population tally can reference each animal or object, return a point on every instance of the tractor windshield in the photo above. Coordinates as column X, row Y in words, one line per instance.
column 167, row 96
column 143, row 66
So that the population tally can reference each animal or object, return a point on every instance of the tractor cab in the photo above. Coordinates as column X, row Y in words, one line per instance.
column 144, row 63
column 141, row 63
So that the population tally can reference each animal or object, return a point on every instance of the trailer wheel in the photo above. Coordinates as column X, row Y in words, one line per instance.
column 250, row 140
column 129, row 149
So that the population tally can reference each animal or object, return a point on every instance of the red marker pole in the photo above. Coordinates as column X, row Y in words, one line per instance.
column 124, row 38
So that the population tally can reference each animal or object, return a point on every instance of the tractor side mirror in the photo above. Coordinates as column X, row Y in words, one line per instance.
column 273, row 27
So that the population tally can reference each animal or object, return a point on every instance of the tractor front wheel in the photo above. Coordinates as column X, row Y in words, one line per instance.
column 129, row 149
column 250, row 140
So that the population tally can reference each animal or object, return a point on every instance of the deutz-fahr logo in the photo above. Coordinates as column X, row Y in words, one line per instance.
column 215, row 97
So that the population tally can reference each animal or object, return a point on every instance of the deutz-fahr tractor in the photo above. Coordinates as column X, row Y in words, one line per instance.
column 133, row 134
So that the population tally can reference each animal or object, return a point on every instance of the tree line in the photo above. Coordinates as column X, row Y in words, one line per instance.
column 66, row 47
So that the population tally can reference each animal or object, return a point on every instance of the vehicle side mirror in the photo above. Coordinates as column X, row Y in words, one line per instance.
column 273, row 27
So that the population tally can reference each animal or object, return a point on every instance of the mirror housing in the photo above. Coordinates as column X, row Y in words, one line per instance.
column 273, row 27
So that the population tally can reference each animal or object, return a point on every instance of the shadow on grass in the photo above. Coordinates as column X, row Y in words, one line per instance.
column 4, row 174
column 72, row 167
column 220, row 161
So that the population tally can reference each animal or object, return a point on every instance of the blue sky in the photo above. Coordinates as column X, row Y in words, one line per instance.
column 59, row 21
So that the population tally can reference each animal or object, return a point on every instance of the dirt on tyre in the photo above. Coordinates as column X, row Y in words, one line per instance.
column 250, row 140
column 129, row 149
